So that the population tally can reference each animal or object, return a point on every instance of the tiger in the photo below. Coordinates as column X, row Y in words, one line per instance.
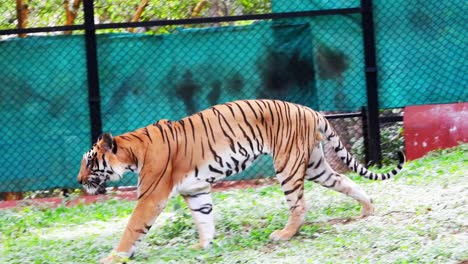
column 187, row 156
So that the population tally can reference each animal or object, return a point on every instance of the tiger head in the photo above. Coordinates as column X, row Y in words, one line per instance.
column 100, row 164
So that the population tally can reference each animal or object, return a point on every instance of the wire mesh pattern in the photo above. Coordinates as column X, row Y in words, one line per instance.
column 169, row 70
column 422, row 52
column 45, row 120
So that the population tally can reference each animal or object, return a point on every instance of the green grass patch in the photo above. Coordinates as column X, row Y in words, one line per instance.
column 420, row 218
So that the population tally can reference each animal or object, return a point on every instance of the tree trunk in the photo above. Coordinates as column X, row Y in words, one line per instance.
column 198, row 8
column 140, row 9
column 71, row 13
column 22, row 12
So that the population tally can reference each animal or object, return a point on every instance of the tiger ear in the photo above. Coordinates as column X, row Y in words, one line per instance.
column 106, row 141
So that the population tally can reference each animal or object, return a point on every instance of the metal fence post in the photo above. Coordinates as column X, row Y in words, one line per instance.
column 94, row 99
column 365, row 135
column 373, row 127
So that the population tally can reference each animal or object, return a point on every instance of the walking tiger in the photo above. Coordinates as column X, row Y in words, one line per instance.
column 188, row 155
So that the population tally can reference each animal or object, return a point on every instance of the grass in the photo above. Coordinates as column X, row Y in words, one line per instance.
column 421, row 217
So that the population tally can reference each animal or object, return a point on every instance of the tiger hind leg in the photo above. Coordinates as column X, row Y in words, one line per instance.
column 291, row 179
column 319, row 171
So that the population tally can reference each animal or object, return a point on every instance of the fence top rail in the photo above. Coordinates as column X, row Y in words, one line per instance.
column 343, row 115
column 186, row 21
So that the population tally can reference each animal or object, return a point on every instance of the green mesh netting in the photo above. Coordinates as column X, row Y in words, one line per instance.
column 318, row 61
column 421, row 47
column 143, row 78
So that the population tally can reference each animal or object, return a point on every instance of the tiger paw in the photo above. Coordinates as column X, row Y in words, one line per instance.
column 367, row 210
column 199, row 245
column 114, row 258
column 196, row 246
column 283, row 234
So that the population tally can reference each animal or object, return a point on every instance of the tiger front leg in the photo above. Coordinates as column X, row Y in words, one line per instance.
column 297, row 213
column 201, row 206
column 141, row 220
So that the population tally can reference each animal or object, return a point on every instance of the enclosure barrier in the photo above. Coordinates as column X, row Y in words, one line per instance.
column 67, row 78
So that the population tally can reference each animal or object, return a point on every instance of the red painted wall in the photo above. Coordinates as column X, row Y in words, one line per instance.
column 430, row 127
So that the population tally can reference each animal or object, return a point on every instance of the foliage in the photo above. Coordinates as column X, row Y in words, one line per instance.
column 52, row 13
column 420, row 218
column 392, row 141
column 41, row 13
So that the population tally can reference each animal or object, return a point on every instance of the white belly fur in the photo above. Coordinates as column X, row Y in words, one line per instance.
column 194, row 183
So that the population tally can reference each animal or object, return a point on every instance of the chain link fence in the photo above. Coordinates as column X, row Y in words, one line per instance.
column 312, row 54
column 421, row 52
